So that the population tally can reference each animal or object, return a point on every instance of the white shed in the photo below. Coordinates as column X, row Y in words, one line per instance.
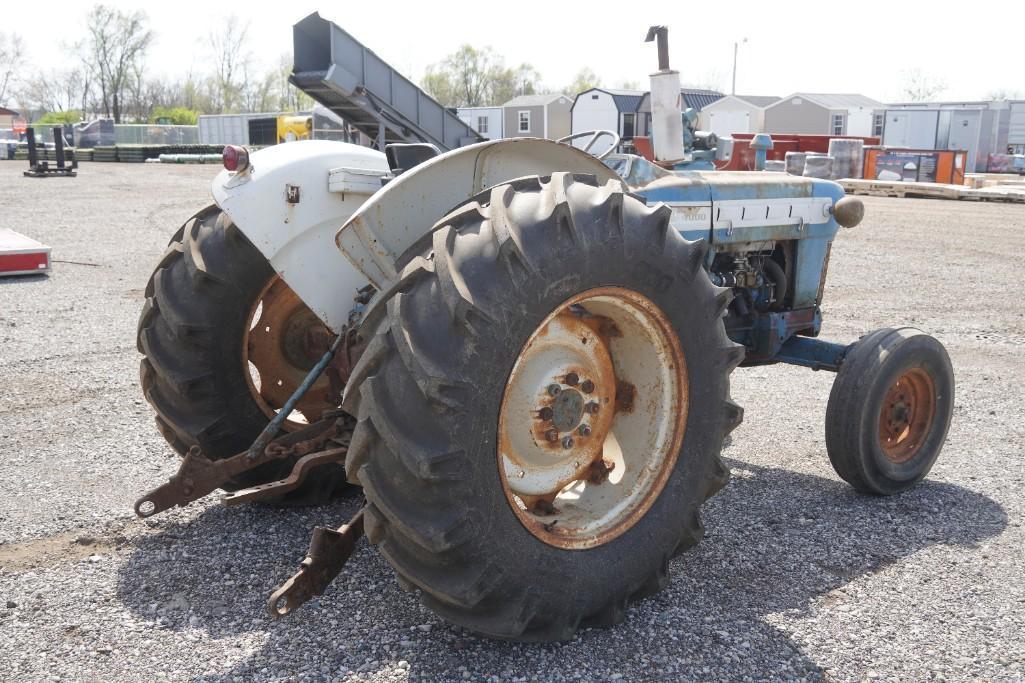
column 485, row 120
column 735, row 114
column 609, row 109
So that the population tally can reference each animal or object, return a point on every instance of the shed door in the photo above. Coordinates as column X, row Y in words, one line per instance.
column 728, row 122
column 964, row 133
column 911, row 129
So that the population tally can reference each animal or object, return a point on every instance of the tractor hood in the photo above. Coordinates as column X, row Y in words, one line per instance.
column 742, row 206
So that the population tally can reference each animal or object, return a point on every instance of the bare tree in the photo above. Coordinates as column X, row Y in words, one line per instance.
column 231, row 64
column 259, row 93
column 55, row 91
column 918, row 86
column 1005, row 94
column 114, row 48
column 287, row 96
column 12, row 52
column 711, row 79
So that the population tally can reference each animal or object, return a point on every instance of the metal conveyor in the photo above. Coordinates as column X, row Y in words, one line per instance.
column 342, row 74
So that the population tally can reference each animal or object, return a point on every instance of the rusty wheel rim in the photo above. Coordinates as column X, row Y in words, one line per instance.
column 592, row 418
column 907, row 414
column 283, row 341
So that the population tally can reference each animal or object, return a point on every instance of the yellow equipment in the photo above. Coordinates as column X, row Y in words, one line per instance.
column 291, row 128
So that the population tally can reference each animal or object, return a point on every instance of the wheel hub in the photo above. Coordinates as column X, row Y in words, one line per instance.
column 284, row 340
column 577, row 468
column 567, row 409
column 907, row 413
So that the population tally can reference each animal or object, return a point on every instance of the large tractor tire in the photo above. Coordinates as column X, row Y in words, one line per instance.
column 222, row 335
column 889, row 410
column 542, row 408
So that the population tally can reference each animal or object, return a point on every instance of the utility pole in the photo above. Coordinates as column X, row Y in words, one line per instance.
column 733, row 90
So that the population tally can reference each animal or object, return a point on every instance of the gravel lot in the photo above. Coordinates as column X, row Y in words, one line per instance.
column 799, row 578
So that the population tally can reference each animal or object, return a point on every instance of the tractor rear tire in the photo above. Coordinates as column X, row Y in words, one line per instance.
column 429, row 395
column 889, row 410
column 193, row 371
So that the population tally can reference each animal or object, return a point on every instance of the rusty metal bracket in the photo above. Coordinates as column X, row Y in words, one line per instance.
column 329, row 550
column 300, row 471
column 198, row 476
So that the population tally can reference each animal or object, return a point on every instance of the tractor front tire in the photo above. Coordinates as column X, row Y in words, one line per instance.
column 192, row 334
column 529, row 277
column 889, row 410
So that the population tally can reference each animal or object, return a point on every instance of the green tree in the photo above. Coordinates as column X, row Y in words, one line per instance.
column 439, row 84
column 58, row 117
column 508, row 83
column 475, row 77
column 584, row 80
column 179, row 116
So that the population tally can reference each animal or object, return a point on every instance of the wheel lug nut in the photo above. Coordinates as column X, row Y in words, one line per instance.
column 592, row 407
column 545, row 413
column 572, row 379
column 584, row 430
column 587, row 387
column 554, row 389
column 552, row 435
column 567, row 442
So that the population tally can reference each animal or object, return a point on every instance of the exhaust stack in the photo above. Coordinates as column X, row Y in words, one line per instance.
column 666, row 105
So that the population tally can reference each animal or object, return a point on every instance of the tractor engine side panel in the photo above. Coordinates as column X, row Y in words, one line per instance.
column 770, row 236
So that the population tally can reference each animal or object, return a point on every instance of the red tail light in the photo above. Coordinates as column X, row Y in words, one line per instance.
column 235, row 158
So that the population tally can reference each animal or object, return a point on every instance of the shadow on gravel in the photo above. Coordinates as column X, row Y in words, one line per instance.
column 21, row 279
column 776, row 540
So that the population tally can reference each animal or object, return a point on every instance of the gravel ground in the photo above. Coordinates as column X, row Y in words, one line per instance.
column 799, row 578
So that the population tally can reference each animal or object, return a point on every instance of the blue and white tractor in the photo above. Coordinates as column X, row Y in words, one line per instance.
column 521, row 354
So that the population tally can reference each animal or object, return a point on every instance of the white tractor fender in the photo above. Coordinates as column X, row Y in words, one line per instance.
column 392, row 220
column 290, row 202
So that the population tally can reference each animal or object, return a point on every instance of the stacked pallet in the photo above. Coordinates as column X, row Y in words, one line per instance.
column 106, row 153
column 141, row 153
column 43, row 154
column 882, row 188
column 980, row 180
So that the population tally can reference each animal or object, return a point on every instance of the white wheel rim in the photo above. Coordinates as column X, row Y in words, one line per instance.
column 601, row 383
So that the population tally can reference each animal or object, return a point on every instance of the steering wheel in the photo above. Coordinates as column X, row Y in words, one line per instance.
column 595, row 135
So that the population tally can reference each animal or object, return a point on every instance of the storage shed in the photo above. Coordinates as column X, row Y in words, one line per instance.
column 537, row 116
column 485, row 120
column 610, row 109
column 838, row 115
column 1016, row 127
column 735, row 114
column 8, row 117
